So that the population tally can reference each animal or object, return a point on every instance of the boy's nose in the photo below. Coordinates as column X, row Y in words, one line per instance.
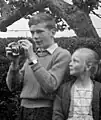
column 35, row 35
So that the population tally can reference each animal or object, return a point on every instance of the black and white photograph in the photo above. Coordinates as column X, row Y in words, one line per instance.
column 50, row 59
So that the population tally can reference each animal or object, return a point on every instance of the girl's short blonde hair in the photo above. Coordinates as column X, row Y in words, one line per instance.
column 92, row 59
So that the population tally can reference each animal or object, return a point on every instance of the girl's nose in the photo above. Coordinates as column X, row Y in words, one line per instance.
column 70, row 64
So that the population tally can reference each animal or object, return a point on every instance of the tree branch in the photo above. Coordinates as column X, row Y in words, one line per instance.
column 77, row 19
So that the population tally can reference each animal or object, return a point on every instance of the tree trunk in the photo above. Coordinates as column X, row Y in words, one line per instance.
column 77, row 19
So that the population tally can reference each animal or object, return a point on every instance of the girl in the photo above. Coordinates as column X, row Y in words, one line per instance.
column 80, row 99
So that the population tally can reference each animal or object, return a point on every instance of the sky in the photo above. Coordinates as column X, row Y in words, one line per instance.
column 20, row 28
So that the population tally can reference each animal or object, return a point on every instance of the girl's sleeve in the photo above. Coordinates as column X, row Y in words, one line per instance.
column 57, row 107
column 100, row 104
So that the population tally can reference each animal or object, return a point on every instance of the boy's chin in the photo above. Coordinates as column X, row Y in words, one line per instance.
column 72, row 73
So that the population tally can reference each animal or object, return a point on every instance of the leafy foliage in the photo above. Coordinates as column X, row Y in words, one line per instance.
column 92, row 4
column 82, row 4
column 12, row 6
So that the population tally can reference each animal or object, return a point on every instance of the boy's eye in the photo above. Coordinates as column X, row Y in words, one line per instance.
column 32, row 32
column 39, row 31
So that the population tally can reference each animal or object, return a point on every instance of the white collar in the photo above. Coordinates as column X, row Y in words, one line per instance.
column 52, row 48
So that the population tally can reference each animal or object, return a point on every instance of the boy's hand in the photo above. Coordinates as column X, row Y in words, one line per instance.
column 9, row 55
column 28, row 48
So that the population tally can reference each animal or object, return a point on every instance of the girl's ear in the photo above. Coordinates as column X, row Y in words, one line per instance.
column 89, row 66
column 92, row 68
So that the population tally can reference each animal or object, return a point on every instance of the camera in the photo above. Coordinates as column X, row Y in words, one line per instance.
column 16, row 49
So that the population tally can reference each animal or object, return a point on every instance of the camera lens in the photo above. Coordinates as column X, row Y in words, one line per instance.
column 15, row 49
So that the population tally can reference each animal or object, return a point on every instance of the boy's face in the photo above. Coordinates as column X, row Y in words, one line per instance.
column 42, row 36
column 78, row 64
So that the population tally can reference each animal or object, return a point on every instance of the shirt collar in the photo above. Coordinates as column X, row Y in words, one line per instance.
column 52, row 48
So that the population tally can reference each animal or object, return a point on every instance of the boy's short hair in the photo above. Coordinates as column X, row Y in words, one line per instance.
column 42, row 17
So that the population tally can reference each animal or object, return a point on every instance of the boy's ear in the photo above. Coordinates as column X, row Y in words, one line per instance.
column 53, row 31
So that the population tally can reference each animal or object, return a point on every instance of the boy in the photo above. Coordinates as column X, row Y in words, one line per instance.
column 42, row 72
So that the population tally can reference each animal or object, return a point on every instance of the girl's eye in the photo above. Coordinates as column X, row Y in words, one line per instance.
column 74, row 60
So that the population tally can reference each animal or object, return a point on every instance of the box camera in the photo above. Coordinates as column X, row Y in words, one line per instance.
column 17, row 49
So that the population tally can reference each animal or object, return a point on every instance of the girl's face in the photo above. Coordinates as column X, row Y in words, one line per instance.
column 78, row 64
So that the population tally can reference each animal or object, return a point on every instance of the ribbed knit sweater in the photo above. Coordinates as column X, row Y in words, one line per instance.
column 42, row 80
